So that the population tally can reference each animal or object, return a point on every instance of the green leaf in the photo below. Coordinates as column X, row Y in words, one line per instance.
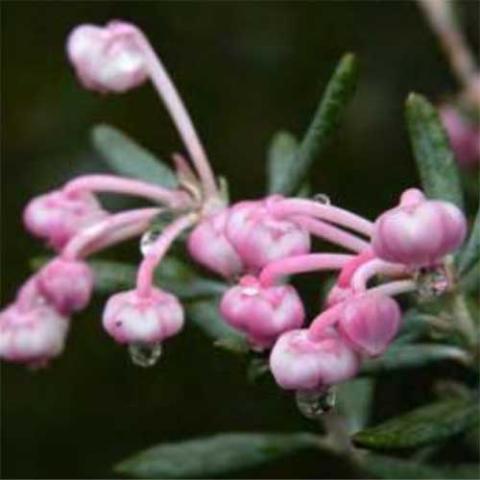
column 206, row 316
column 414, row 326
column 395, row 468
column 172, row 275
column 425, row 425
column 329, row 113
column 412, row 356
column 215, row 455
column 435, row 160
column 471, row 253
column 126, row 157
column 354, row 401
column 281, row 155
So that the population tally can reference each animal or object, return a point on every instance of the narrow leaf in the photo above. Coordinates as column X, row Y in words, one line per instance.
column 206, row 316
column 173, row 275
column 430, row 424
column 435, row 159
column 415, row 325
column 281, row 155
column 471, row 253
column 215, row 455
column 395, row 468
column 354, row 400
column 329, row 113
column 126, row 157
column 412, row 356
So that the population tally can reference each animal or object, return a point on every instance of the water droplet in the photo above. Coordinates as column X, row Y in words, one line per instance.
column 433, row 282
column 145, row 354
column 147, row 241
column 313, row 404
column 322, row 198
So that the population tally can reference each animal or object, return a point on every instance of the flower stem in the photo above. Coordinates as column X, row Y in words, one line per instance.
column 301, row 264
column 113, row 229
column 332, row 234
column 173, row 102
column 114, row 184
column 371, row 268
column 158, row 250
column 297, row 206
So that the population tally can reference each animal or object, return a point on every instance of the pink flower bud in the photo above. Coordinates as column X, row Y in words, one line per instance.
column 57, row 216
column 260, row 238
column 369, row 323
column 67, row 284
column 464, row 136
column 32, row 336
column 299, row 363
column 418, row 233
column 262, row 313
column 107, row 59
column 209, row 246
column 131, row 318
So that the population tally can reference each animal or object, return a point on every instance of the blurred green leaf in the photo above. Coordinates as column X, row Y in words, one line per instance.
column 126, row 157
column 354, row 400
column 414, row 326
column 215, row 455
column 395, row 468
column 332, row 106
column 257, row 368
column 471, row 253
column 435, row 160
column 281, row 155
column 172, row 275
column 206, row 316
column 425, row 425
column 412, row 356
column 470, row 282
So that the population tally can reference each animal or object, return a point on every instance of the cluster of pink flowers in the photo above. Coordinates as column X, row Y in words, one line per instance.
column 255, row 245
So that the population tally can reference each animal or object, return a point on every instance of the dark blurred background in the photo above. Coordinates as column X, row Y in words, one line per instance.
column 245, row 70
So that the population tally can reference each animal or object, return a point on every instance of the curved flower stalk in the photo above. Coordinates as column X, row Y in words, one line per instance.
column 257, row 245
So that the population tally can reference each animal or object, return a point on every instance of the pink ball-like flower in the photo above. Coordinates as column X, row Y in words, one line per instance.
column 67, row 284
column 369, row 323
column 32, row 336
column 419, row 233
column 262, row 313
column 107, row 59
column 209, row 246
column 464, row 136
column 299, row 363
column 260, row 238
column 57, row 216
column 131, row 318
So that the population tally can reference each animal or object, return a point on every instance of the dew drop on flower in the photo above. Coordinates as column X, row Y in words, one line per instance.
column 147, row 240
column 322, row 198
column 145, row 355
column 313, row 404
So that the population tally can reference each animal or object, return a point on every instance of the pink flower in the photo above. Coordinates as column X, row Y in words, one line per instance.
column 209, row 246
column 57, row 216
column 418, row 233
column 67, row 284
column 131, row 318
column 260, row 238
column 32, row 335
column 369, row 323
column 107, row 59
column 464, row 136
column 299, row 363
column 262, row 313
